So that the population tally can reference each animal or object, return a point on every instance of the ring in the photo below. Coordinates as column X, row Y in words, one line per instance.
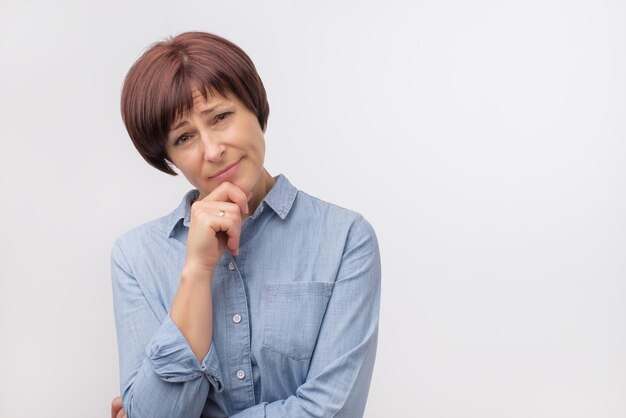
column 222, row 213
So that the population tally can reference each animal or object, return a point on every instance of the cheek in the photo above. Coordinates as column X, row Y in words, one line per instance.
column 188, row 163
column 258, row 145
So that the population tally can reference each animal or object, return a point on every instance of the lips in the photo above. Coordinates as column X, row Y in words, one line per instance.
column 228, row 171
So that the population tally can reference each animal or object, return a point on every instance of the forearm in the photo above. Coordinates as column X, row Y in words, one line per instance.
column 192, row 309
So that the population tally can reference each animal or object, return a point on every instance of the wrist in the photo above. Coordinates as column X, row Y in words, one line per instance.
column 195, row 271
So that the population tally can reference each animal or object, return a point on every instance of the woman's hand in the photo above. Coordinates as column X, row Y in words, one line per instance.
column 117, row 410
column 215, row 225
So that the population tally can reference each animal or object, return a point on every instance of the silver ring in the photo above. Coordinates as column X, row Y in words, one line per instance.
column 222, row 213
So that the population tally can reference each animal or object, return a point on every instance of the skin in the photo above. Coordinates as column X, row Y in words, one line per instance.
column 117, row 411
column 215, row 134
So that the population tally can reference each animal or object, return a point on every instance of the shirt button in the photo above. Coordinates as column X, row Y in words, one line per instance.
column 240, row 374
column 231, row 266
column 236, row 318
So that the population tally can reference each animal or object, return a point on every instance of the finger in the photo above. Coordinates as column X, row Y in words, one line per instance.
column 232, row 229
column 210, row 209
column 221, row 217
column 116, row 406
column 121, row 414
column 233, row 244
column 227, row 191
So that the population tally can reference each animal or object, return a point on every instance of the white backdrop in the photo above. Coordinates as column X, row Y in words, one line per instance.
column 485, row 141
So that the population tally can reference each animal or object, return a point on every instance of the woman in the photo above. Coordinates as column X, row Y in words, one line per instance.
column 251, row 298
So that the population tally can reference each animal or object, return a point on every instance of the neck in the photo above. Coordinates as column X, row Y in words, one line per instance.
column 265, row 185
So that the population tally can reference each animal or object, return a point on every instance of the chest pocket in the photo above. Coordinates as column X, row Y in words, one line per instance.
column 293, row 315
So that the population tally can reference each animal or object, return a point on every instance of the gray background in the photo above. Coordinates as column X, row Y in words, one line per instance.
column 484, row 140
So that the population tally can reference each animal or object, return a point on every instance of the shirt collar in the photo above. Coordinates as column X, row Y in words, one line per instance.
column 280, row 198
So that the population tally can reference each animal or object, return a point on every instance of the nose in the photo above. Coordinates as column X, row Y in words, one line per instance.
column 213, row 148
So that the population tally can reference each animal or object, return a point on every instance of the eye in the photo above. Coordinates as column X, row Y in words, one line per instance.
column 181, row 139
column 222, row 116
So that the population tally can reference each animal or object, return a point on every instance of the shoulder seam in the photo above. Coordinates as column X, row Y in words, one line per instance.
column 353, row 229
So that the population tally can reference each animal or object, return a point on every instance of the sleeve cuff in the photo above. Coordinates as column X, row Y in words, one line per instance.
column 173, row 361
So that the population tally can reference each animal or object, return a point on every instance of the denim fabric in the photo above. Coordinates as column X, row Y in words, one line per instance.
column 295, row 315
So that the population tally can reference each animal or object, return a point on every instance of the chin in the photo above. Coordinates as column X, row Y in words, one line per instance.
column 205, row 190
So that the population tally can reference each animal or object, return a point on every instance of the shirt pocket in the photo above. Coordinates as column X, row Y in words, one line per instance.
column 293, row 316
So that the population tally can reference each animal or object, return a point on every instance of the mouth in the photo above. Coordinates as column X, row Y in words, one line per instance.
column 226, row 172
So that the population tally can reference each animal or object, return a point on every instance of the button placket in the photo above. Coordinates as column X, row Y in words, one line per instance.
column 238, row 353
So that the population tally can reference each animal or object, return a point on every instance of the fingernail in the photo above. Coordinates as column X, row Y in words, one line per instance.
column 247, row 208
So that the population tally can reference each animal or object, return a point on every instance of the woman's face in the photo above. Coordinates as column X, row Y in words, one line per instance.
column 218, row 140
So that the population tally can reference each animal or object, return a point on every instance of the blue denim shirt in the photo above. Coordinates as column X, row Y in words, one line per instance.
column 295, row 315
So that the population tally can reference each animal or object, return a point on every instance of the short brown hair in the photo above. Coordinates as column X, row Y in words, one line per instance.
column 159, row 88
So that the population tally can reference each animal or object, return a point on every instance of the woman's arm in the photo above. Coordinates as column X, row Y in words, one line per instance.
column 166, row 360
column 341, row 367
column 160, row 375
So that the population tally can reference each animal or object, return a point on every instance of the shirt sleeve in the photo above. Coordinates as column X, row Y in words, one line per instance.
column 159, row 374
column 343, row 360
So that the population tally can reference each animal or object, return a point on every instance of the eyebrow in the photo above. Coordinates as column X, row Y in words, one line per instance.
column 202, row 113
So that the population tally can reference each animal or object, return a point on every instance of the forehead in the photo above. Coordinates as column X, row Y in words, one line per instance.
column 202, row 98
column 203, row 101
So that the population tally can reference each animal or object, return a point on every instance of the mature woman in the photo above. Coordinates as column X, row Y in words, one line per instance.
column 251, row 298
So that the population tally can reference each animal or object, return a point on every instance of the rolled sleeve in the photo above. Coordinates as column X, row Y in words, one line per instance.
column 173, row 360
